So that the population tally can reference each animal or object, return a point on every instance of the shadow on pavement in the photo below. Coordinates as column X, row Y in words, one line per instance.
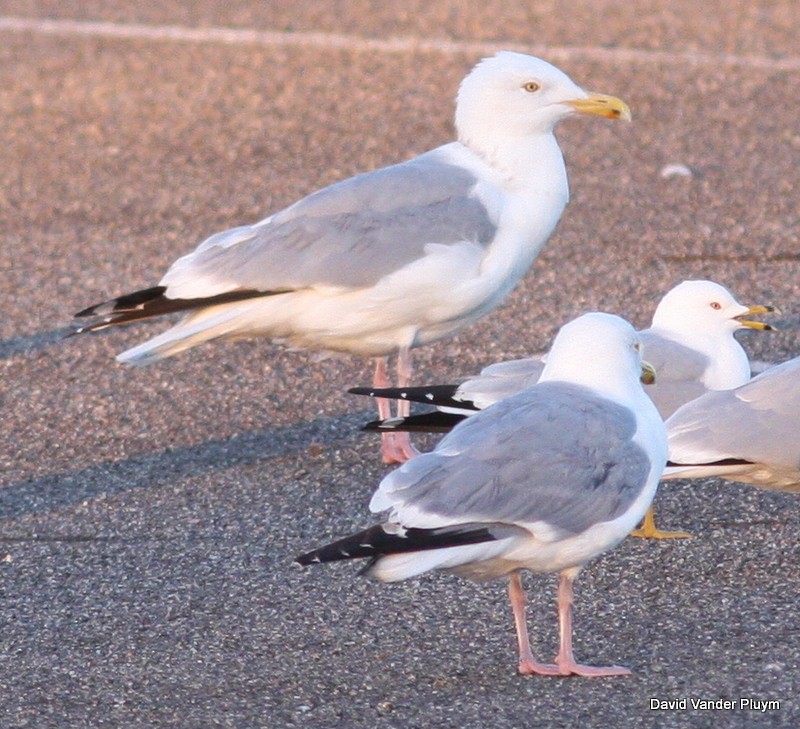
column 112, row 477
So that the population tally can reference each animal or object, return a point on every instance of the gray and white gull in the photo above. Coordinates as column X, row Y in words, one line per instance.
column 545, row 480
column 750, row 434
column 391, row 259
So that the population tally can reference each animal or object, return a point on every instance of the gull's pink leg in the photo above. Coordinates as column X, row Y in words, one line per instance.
column 394, row 448
column 565, row 659
column 402, row 442
column 379, row 380
column 519, row 601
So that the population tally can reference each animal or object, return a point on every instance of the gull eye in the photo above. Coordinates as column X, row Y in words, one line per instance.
column 531, row 86
column 637, row 347
column 716, row 305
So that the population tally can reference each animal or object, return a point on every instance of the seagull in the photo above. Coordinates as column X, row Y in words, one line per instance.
column 391, row 259
column 544, row 480
column 748, row 434
column 690, row 343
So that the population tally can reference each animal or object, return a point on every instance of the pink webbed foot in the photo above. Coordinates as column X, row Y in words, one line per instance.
column 565, row 664
column 529, row 667
column 579, row 669
column 397, row 449
column 569, row 668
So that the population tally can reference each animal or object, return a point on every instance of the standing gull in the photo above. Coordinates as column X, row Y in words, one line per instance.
column 391, row 259
column 545, row 480
column 748, row 434
column 690, row 343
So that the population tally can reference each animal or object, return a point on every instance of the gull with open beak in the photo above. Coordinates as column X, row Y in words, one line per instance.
column 690, row 343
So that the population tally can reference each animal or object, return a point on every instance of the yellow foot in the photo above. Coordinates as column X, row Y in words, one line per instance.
column 649, row 530
column 658, row 534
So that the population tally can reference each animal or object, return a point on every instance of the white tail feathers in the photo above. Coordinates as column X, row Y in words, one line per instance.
column 202, row 326
column 394, row 567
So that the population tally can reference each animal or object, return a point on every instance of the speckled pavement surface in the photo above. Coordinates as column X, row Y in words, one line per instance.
column 149, row 517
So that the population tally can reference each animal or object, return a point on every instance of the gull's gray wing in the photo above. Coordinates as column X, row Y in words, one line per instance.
column 679, row 371
column 499, row 381
column 556, row 453
column 350, row 234
column 757, row 422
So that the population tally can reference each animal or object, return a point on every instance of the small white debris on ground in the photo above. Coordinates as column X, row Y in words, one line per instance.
column 675, row 170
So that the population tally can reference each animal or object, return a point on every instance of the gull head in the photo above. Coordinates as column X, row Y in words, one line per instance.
column 599, row 351
column 704, row 309
column 513, row 94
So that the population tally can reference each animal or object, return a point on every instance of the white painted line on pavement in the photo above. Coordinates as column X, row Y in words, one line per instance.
column 267, row 38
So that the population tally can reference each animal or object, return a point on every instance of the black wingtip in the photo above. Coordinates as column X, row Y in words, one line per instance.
column 355, row 546
column 434, row 422
column 430, row 395
column 125, row 303
column 385, row 539
column 141, row 304
column 723, row 462
column 368, row 391
column 152, row 302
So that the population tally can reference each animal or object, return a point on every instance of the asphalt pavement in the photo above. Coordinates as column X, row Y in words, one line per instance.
column 148, row 518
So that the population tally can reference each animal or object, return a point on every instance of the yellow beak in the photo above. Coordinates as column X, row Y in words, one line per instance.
column 648, row 376
column 760, row 325
column 609, row 107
